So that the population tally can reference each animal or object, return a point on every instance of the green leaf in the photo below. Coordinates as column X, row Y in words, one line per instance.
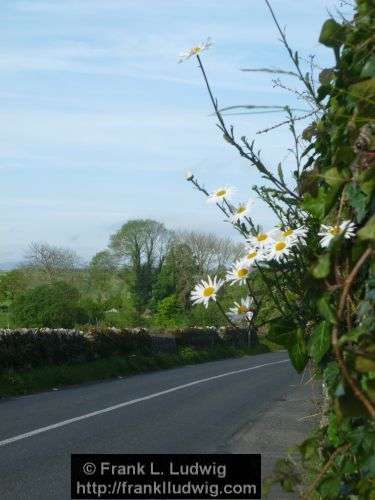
column 280, row 172
column 320, row 341
column 325, row 308
column 323, row 91
column 333, row 177
column 320, row 205
column 351, row 336
column 330, row 488
column 322, row 267
column 326, row 76
column 364, row 364
column 363, row 91
column 332, row 34
column 297, row 350
column 368, row 231
column 280, row 332
column 368, row 69
column 358, row 200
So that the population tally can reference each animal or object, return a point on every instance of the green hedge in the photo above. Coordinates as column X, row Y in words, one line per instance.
column 25, row 349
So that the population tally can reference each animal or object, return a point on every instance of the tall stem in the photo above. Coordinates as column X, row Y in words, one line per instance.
column 225, row 315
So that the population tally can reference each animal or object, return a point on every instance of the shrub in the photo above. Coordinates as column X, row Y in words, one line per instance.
column 54, row 305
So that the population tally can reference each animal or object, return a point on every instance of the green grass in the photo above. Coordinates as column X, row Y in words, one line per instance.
column 39, row 379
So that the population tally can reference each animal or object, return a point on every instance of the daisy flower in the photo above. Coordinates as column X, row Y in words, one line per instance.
column 279, row 249
column 253, row 255
column 239, row 272
column 220, row 193
column 206, row 291
column 241, row 311
column 241, row 211
column 195, row 51
column 261, row 240
column 189, row 175
column 328, row 233
column 289, row 234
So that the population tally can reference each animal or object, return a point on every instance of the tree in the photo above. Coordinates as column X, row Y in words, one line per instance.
column 177, row 275
column 102, row 268
column 141, row 245
column 54, row 305
column 212, row 253
column 12, row 284
column 54, row 262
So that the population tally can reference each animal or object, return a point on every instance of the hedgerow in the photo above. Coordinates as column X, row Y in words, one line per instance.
column 25, row 349
column 323, row 287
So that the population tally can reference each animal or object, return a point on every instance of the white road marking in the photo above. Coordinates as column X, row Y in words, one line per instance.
column 63, row 423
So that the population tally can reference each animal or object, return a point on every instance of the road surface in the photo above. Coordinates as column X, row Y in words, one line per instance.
column 192, row 409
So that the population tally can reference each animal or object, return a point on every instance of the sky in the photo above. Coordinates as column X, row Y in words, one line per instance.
column 99, row 122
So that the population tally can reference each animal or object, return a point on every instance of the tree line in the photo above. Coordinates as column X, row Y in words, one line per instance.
column 143, row 278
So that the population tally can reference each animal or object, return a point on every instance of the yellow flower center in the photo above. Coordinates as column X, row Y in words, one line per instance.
column 241, row 273
column 252, row 255
column 335, row 230
column 242, row 309
column 221, row 192
column 280, row 245
column 207, row 292
column 195, row 50
column 241, row 210
column 288, row 232
column 262, row 237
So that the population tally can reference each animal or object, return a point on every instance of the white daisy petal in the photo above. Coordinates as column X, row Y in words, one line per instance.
column 206, row 291
column 240, row 272
column 241, row 311
column 195, row 51
column 242, row 211
column 280, row 249
column 328, row 233
column 220, row 194
column 261, row 240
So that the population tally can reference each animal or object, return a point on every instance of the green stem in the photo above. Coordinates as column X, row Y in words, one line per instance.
column 265, row 280
column 225, row 315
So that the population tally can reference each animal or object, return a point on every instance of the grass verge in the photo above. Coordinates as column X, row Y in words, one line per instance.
column 43, row 378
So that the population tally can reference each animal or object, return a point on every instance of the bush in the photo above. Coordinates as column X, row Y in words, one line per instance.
column 26, row 349
column 169, row 312
column 95, row 311
column 111, row 342
column 54, row 305
column 20, row 350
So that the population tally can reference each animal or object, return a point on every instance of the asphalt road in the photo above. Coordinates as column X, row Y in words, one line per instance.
column 170, row 411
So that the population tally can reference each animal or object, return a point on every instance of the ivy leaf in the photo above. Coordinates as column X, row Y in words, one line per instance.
column 333, row 177
column 358, row 200
column 323, row 91
column 309, row 448
column 307, row 134
column 320, row 341
column 368, row 231
column 280, row 332
column 330, row 488
column 363, row 91
column 297, row 350
column 320, row 205
column 332, row 34
column 349, row 406
column 326, row 310
column 322, row 267
column 368, row 69
column 326, row 75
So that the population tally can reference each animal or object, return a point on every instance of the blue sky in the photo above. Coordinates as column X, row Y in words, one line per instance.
column 99, row 122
